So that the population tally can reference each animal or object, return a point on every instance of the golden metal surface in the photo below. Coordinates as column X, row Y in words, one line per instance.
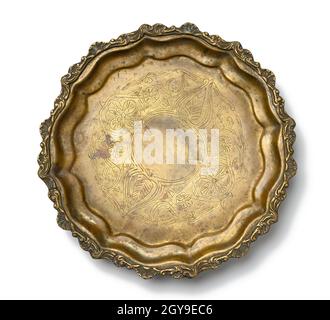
column 162, row 219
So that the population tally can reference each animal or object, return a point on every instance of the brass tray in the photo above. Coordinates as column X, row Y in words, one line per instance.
column 163, row 218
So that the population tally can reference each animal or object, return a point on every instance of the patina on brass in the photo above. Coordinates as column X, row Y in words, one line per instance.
column 167, row 219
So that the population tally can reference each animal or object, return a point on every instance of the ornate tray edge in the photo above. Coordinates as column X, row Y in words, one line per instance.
column 179, row 270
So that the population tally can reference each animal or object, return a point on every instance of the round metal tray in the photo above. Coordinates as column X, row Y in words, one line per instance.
column 162, row 218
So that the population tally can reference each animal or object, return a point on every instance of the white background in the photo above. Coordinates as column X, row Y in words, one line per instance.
column 40, row 39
